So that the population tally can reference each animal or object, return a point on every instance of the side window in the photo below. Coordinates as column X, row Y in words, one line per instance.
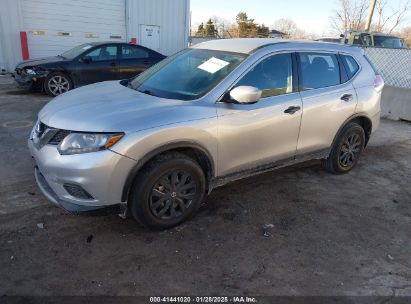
column 319, row 70
column 366, row 39
column 357, row 40
column 272, row 75
column 104, row 53
column 351, row 66
column 133, row 52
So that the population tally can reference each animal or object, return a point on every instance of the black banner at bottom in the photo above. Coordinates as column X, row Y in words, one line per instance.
column 203, row 299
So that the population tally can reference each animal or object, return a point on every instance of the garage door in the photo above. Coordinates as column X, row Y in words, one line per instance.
column 54, row 26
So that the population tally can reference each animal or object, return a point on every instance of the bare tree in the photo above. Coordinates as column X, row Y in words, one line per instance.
column 390, row 18
column 231, row 30
column 222, row 25
column 352, row 14
column 405, row 34
column 289, row 28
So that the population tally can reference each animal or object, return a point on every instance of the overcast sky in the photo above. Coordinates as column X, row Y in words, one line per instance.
column 312, row 16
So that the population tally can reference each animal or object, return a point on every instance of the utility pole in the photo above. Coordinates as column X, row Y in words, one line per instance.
column 370, row 13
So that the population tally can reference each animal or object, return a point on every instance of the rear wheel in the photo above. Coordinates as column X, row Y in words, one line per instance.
column 57, row 83
column 346, row 150
column 168, row 191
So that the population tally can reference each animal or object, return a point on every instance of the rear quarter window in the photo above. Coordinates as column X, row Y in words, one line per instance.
column 351, row 66
column 133, row 52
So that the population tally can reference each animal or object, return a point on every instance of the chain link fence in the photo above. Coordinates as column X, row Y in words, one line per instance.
column 393, row 64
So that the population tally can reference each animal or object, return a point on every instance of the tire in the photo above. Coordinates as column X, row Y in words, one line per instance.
column 57, row 83
column 167, row 191
column 346, row 150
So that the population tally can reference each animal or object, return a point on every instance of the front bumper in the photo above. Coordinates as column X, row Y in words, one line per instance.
column 28, row 81
column 102, row 174
column 71, row 207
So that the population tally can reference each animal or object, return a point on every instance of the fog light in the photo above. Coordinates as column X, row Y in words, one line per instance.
column 77, row 191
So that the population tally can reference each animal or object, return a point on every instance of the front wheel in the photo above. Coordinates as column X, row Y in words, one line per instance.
column 168, row 191
column 346, row 150
column 57, row 83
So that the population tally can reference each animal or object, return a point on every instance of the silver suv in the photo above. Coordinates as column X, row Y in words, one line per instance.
column 211, row 114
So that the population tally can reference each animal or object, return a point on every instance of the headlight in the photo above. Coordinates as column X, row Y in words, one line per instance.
column 76, row 143
column 30, row 72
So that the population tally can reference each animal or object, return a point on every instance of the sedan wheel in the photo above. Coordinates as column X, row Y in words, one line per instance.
column 57, row 84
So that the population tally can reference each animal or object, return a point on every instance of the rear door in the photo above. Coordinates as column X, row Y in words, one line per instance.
column 328, row 100
column 135, row 59
column 99, row 64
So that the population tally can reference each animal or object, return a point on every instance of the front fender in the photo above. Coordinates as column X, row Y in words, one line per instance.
column 144, row 145
column 60, row 69
column 199, row 133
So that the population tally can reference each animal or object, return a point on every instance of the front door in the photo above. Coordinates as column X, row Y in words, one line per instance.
column 256, row 135
column 100, row 64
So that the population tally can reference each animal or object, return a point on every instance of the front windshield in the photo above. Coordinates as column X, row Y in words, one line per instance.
column 74, row 52
column 187, row 75
column 387, row 41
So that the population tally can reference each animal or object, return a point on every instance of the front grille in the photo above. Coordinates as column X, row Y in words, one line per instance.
column 40, row 128
column 45, row 135
column 58, row 137
column 77, row 191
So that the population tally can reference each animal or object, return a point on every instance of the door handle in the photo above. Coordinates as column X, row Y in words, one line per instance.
column 347, row 97
column 146, row 62
column 113, row 63
column 291, row 110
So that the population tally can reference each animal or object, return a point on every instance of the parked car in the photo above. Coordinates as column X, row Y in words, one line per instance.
column 85, row 64
column 211, row 114
column 372, row 39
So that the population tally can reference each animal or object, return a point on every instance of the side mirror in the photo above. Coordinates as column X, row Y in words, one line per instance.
column 86, row 59
column 245, row 94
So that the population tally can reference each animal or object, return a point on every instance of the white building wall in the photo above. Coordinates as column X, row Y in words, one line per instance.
column 10, row 27
column 171, row 16
column 2, row 61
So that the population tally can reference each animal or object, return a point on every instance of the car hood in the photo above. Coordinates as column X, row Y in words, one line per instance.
column 40, row 61
column 111, row 107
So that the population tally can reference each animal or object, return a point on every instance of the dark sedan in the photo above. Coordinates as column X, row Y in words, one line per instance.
column 85, row 64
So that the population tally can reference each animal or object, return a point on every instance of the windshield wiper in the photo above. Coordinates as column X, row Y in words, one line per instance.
column 61, row 56
column 147, row 92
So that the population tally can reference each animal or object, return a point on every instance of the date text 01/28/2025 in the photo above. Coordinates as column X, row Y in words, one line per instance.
column 203, row 300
